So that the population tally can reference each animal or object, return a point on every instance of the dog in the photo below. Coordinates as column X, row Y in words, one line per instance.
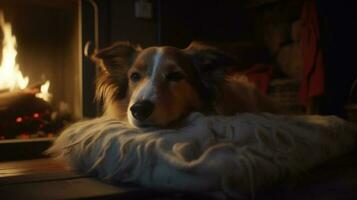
column 158, row 86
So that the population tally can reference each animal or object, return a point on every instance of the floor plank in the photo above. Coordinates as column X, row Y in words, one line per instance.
column 38, row 170
column 54, row 179
column 17, row 168
column 78, row 188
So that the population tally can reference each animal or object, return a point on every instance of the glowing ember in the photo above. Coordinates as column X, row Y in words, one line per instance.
column 19, row 119
column 36, row 115
column 11, row 78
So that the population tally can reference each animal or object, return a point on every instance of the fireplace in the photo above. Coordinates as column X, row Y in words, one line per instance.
column 49, row 57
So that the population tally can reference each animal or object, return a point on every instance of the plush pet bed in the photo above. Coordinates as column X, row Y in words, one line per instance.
column 234, row 156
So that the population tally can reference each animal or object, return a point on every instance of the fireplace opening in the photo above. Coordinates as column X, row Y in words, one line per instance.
column 40, row 67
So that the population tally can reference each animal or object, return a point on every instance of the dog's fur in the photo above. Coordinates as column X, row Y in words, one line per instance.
column 176, row 81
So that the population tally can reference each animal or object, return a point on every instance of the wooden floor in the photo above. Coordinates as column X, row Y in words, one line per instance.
column 52, row 179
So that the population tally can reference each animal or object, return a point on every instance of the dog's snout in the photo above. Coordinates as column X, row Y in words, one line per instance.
column 142, row 110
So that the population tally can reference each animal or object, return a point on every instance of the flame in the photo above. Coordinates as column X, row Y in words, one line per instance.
column 11, row 78
column 44, row 94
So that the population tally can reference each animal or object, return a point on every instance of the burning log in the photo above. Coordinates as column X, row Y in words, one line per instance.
column 23, row 101
column 19, row 110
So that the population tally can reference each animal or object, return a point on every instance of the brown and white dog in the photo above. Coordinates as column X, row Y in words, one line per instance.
column 158, row 86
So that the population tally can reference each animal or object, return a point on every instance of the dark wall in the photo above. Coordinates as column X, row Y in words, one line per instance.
column 125, row 26
column 177, row 23
column 208, row 20
column 339, row 42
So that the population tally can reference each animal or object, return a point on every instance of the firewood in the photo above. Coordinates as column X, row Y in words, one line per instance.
column 19, row 103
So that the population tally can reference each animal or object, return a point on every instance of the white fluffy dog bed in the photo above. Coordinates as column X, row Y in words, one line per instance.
column 233, row 155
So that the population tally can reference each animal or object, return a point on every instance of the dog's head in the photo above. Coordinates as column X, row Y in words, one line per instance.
column 158, row 85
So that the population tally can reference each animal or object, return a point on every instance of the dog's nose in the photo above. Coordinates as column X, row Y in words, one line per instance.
column 142, row 110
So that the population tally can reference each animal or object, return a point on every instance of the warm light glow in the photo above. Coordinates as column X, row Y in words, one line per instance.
column 44, row 94
column 19, row 119
column 11, row 78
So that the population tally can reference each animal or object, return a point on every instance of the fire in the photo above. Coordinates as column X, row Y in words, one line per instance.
column 44, row 94
column 11, row 78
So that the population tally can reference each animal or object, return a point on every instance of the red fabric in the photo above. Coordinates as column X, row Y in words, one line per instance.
column 313, row 82
column 260, row 75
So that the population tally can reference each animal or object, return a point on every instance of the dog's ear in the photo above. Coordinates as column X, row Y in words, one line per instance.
column 114, row 62
column 210, row 64
column 119, row 56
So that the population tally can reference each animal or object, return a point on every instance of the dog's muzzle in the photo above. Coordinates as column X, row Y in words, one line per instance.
column 142, row 110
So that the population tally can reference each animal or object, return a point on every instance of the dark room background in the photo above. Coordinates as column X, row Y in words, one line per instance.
column 177, row 23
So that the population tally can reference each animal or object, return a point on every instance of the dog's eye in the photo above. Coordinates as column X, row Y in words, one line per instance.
column 174, row 76
column 135, row 77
